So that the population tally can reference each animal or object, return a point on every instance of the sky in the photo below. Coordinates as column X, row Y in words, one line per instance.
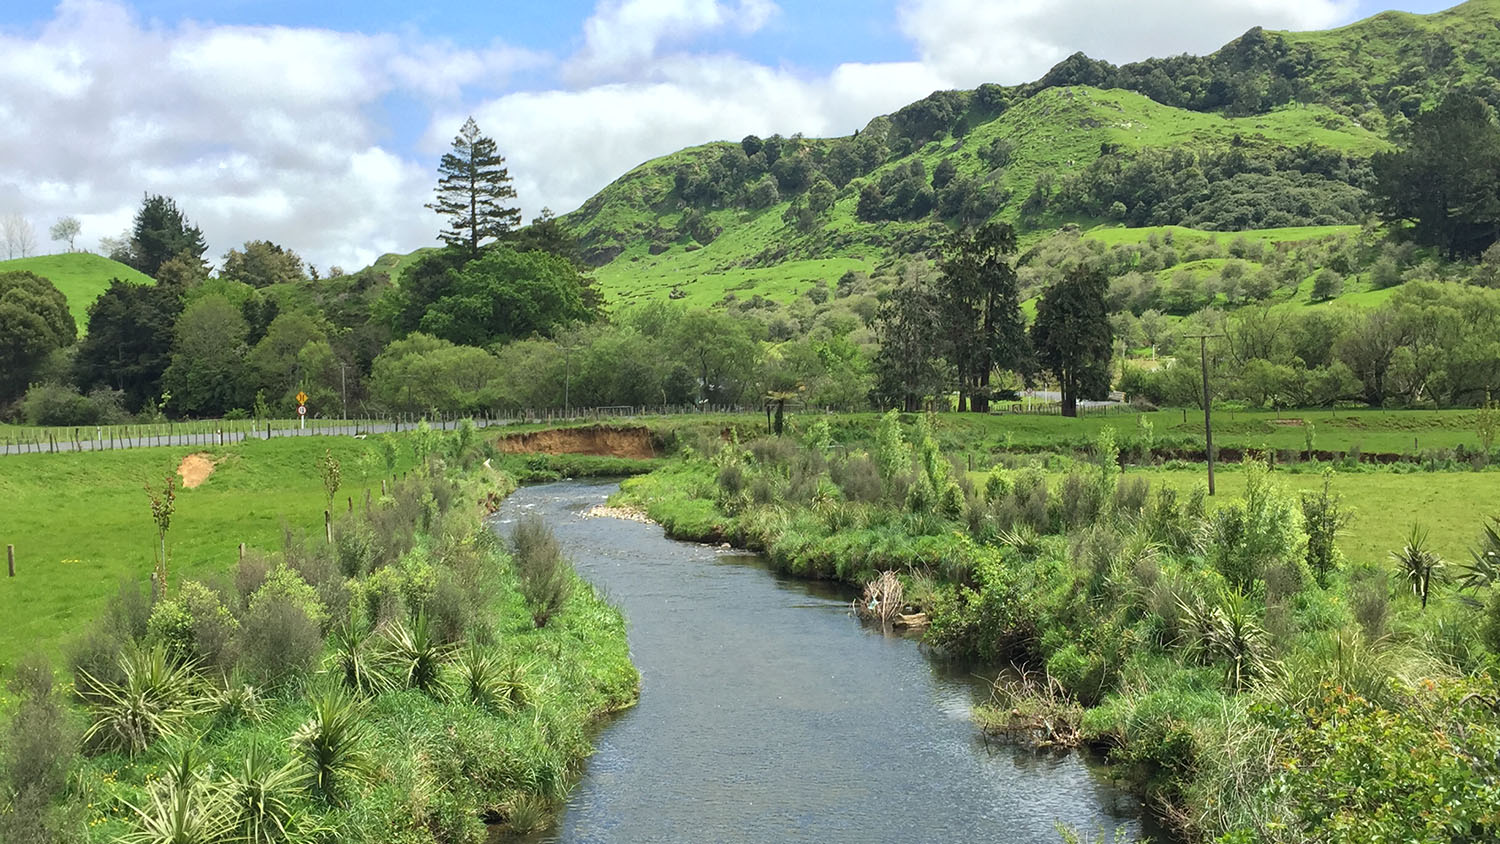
column 319, row 125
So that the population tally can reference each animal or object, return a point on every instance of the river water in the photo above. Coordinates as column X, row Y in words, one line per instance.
column 768, row 713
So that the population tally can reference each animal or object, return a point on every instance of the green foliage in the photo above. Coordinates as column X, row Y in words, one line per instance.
column 35, row 321
column 1443, row 179
column 282, row 636
column 161, row 233
column 207, row 376
column 153, row 699
column 131, row 330
column 1262, row 530
column 473, row 183
column 1418, row 564
column 332, row 744
column 1324, row 516
column 414, row 655
column 262, row 264
column 1073, row 337
column 545, row 575
column 1354, row 770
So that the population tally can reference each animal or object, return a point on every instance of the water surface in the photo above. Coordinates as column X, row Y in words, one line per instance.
column 767, row 713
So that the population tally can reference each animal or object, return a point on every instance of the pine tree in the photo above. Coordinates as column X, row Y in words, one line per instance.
column 472, row 182
column 161, row 233
column 1073, row 337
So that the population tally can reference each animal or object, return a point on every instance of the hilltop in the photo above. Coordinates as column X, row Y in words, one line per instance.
column 81, row 276
column 1274, row 130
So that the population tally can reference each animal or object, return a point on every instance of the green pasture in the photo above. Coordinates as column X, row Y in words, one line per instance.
column 81, row 276
column 81, row 523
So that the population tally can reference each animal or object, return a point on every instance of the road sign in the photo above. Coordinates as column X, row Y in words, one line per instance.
column 301, row 397
column 301, row 410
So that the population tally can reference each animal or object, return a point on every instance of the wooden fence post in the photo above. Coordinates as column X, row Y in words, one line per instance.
column 328, row 526
column 10, row 559
column 242, row 552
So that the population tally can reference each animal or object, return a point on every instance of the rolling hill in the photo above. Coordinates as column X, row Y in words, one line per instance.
column 81, row 276
column 1270, row 136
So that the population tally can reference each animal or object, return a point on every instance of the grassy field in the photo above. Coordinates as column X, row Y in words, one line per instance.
column 81, row 523
column 1451, row 506
column 81, row 276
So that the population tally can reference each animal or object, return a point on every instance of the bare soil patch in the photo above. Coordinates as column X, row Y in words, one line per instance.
column 596, row 440
column 195, row 469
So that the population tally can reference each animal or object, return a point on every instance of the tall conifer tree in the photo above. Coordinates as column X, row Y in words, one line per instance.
column 472, row 185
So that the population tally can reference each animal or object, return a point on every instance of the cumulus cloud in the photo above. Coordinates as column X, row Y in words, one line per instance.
column 622, row 34
column 975, row 41
column 257, row 132
column 286, row 134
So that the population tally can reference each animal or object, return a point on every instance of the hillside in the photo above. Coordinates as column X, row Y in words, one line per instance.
column 81, row 276
column 1276, row 128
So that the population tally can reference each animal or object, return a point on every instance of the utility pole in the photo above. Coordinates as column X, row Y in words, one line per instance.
column 343, row 393
column 567, row 377
column 1208, row 425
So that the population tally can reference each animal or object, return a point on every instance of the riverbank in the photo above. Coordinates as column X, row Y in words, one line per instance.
column 1211, row 651
column 394, row 684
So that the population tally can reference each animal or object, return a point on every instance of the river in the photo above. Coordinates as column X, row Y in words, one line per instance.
column 768, row 713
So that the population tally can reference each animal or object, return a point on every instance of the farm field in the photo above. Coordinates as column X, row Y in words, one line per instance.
column 81, row 276
column 81, row 523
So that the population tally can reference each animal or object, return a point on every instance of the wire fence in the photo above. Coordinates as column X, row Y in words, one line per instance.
column 212, row 432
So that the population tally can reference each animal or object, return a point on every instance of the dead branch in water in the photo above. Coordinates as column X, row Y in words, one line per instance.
column 1033, row 709
column 883, row 599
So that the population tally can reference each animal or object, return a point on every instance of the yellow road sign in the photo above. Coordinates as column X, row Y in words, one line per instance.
column 301, row 397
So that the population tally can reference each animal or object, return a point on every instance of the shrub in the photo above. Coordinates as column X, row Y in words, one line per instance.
column 353, row 661
column 196, row 626
column 281, row 634
column 858, row 477
column 1262, row 529
column 153, row 700
column 1370, row 600
column 39, row 742
column 250, row 573
column 1131, row 496
column 546, row 576
column 331, row 743
column 1079, row 500
column 414, row 656
column 354, row 547
column 1325, row 516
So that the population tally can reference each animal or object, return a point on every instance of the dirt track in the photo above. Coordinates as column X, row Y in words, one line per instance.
column 595, row 440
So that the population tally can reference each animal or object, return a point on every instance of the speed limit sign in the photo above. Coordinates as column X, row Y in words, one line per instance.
column 301, row 410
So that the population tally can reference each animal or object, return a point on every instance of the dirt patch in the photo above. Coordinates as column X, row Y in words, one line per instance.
column 596, row 440
column 195, row 469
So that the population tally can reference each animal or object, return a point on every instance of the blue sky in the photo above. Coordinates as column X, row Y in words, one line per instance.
column 317, row 125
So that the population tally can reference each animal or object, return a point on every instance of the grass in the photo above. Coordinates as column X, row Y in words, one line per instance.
column 1451, row 505
column 81, row 524
column 81, row 276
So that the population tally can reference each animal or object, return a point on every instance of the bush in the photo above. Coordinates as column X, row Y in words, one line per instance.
column 1131, row 496
column 546, row 576
column 40, row 744
column 281, row 634
column 1079, row 500
column 859, row 478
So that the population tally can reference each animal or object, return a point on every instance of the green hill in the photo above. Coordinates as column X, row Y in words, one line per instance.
column 1279, row 126
column 81, row 276
column 1270, row 136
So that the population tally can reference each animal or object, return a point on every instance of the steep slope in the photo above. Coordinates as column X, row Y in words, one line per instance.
column 81, row 276
column 1272, row 131
column 641, row 225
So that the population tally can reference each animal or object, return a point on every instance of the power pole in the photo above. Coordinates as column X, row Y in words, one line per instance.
column 343, row 393
column 567, row 377
column 1208, row 425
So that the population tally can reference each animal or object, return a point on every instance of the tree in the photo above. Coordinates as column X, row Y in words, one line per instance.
column 506, row 295
column 718, row 350
column 18, row 237
column 1445, row 178
column 129, row 342
column 420, row 373
column 275, row 363
column 162, row 233
column 981, row 311
column 34, row 322
column 67, row 229
column 472, row 184
column 1073, row 338
column 907, row 366
column 207, row 374
column 263, row 264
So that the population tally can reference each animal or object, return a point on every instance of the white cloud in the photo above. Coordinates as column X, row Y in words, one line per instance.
column 975, row 41
column 621, row 34
column 257, row 132
column 284, row 134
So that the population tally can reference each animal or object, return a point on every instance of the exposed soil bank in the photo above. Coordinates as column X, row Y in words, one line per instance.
column 595, row 440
